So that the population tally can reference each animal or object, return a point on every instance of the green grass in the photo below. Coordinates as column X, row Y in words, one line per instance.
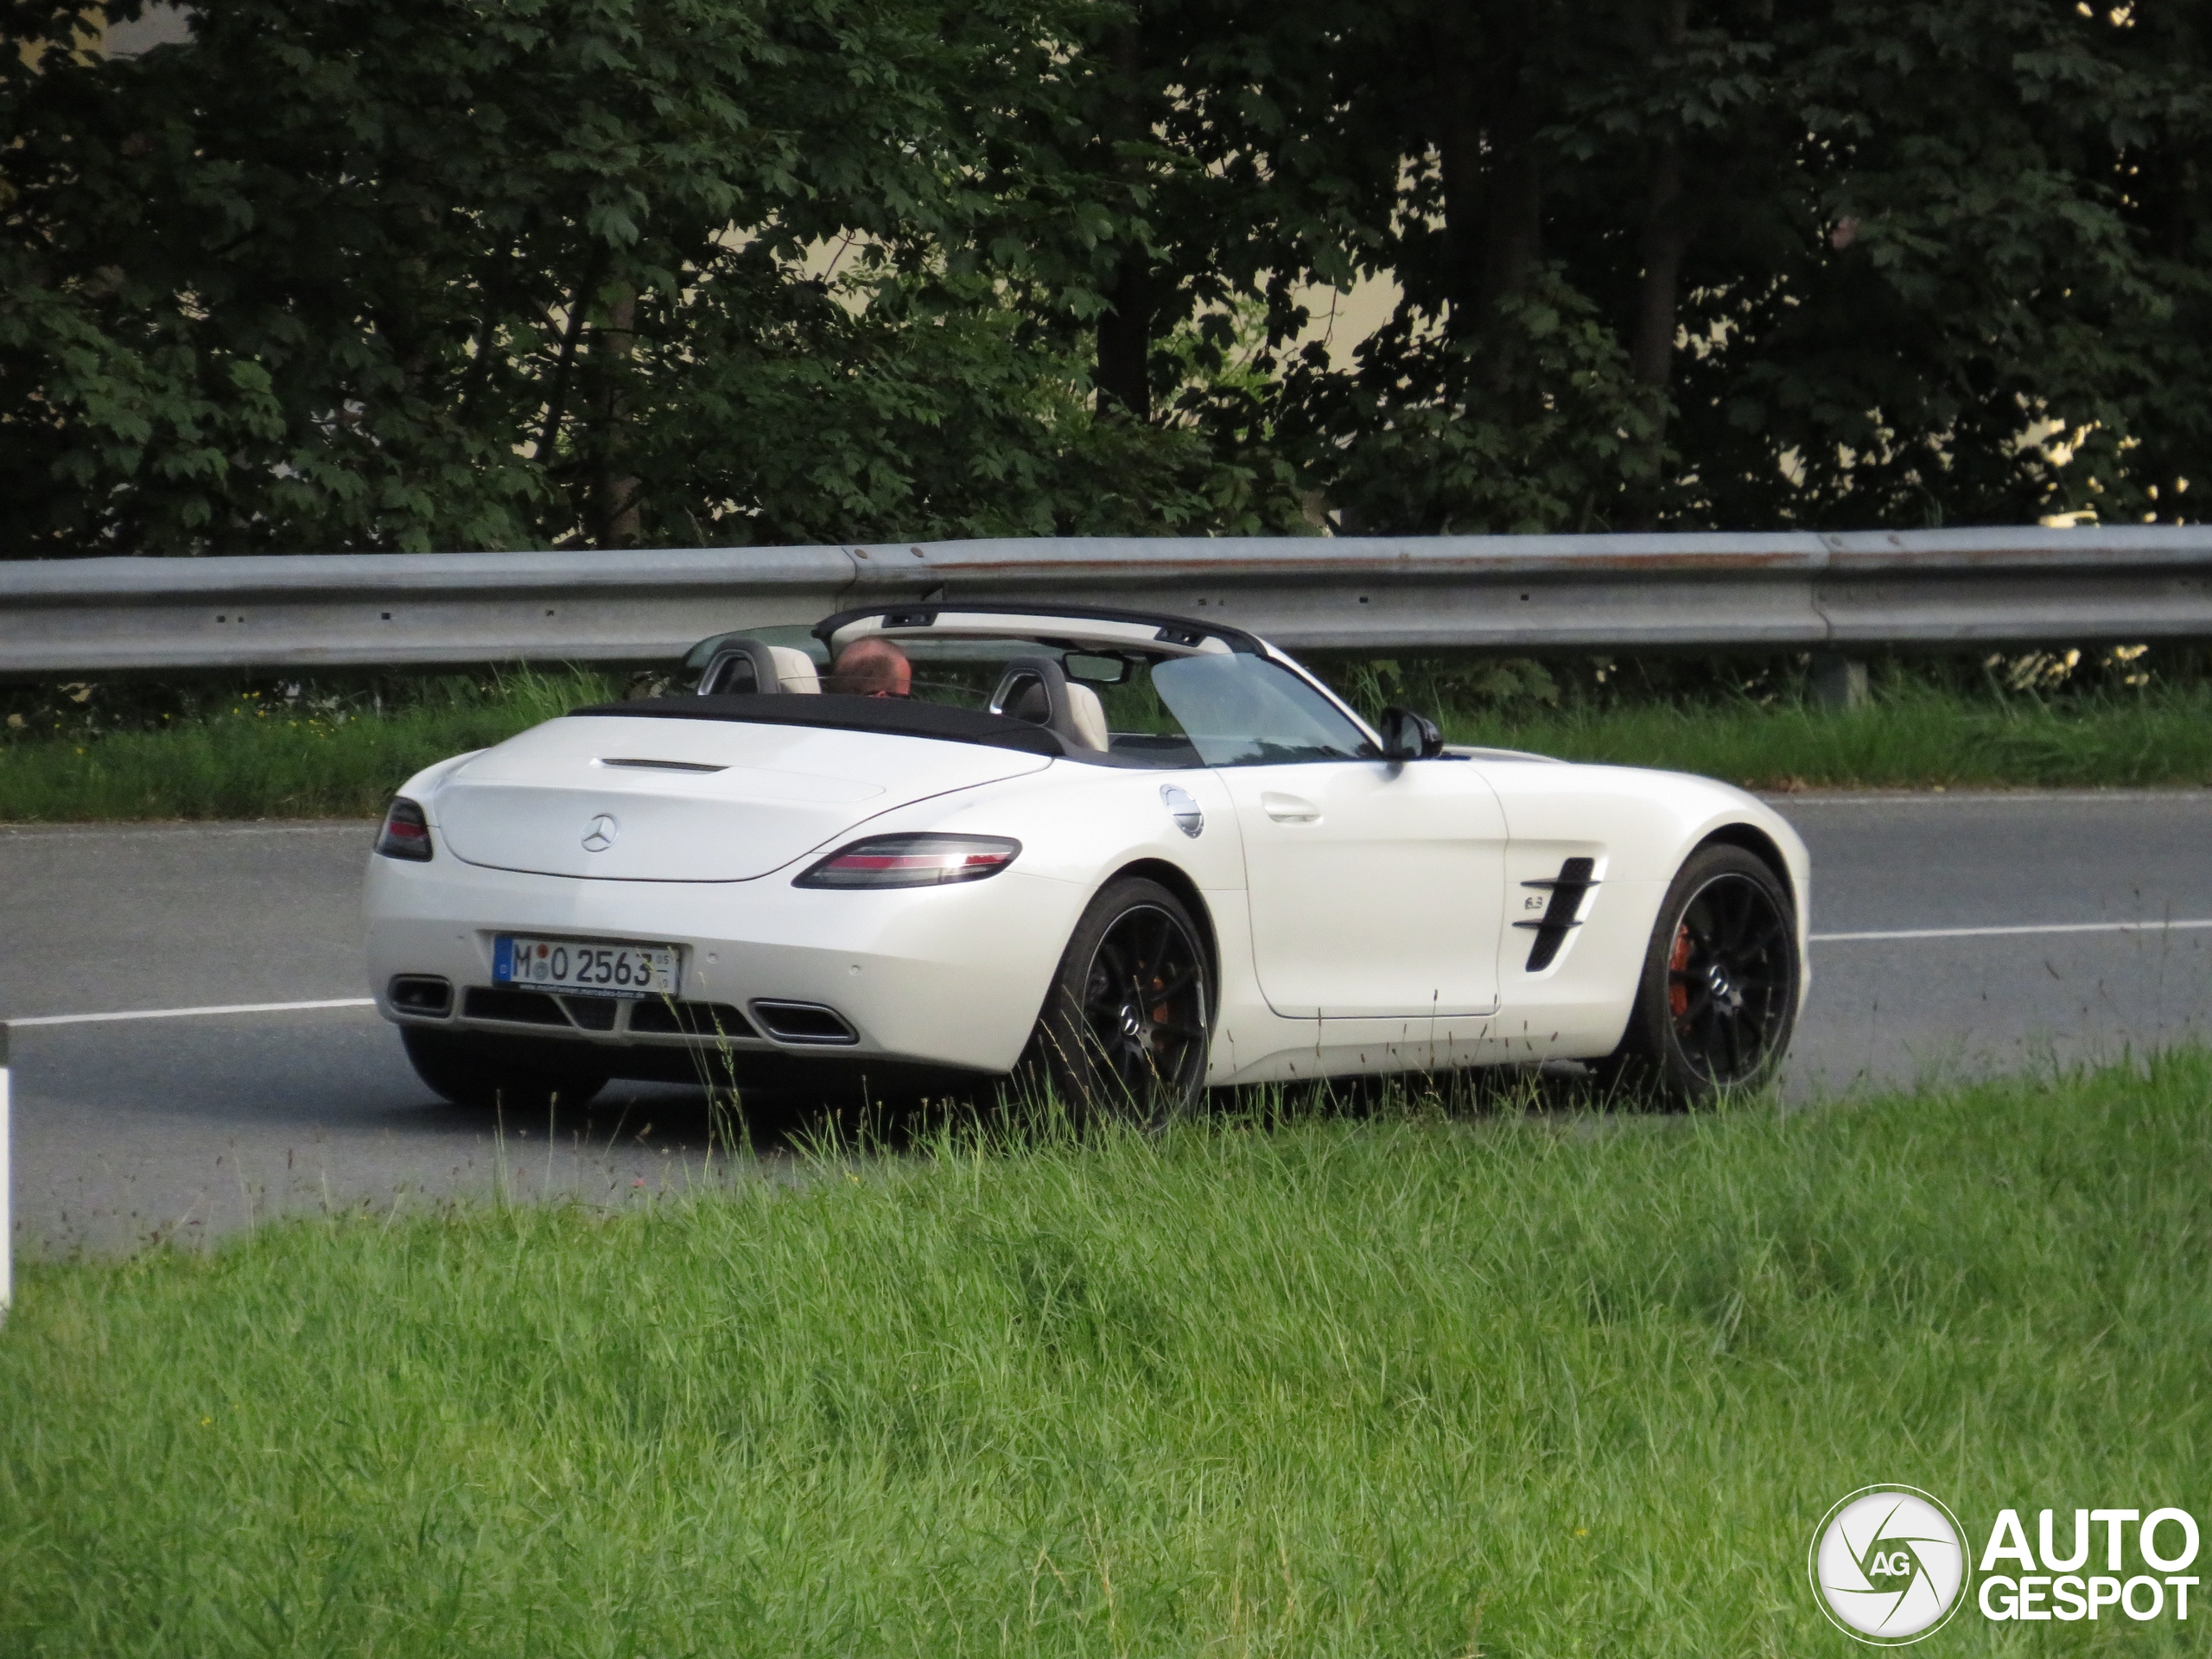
column 1418, row 1384
column 251, row 756
column 1910, row 737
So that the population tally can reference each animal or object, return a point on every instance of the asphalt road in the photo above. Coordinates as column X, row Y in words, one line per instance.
column 186, row 1128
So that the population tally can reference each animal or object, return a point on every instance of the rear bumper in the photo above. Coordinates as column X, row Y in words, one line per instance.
column 937, row 976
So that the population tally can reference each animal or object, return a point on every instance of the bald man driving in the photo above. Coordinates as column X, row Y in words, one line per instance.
column 873, row 667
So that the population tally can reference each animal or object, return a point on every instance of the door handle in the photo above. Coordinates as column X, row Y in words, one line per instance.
column 1289, row 808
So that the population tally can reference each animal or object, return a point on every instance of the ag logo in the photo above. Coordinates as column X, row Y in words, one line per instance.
column 599, row 833
column 1887, row 1565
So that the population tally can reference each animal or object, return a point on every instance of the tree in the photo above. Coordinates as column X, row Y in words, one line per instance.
column 512, row 272
column 1695, row 262
column 342, row 274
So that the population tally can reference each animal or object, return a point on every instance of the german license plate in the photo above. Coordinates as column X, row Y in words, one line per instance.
column 584, row 967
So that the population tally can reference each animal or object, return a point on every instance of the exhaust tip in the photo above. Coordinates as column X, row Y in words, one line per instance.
column 425, row 994
column 805, row 1023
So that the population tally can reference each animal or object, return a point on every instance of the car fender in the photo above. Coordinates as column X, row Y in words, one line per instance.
column 423, row 787
column 1079, row 825
column 1637, row 826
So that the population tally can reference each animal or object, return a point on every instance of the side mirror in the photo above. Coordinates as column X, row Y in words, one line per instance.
column 1408, row 736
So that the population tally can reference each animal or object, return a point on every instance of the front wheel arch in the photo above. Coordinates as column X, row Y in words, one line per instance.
column 1749, row 945
column 1761, row 846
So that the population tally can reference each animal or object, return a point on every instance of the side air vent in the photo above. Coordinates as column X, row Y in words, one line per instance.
column 518, row 1008
column 1567, row 889
column 804, row 1022
column 660, row 1019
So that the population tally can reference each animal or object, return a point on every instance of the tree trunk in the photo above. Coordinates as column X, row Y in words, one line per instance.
column 1667, row 233
column 1124, row 374
column 1124, row 368
column 1486, row 122
column 1513, row 210
column 1460, row 162
column 1669, row 227
column 1666, row 238
column 613, row 490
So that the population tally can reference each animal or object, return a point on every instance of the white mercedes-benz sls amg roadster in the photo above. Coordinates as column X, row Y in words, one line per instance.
column 1140, row 855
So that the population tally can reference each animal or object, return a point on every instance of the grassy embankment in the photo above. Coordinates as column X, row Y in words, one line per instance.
column 1410, row 1385
column 253, row 756
column 1909, row 738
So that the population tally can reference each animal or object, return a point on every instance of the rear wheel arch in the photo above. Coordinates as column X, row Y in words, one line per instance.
column 1178, row 881
column 1127, row 1019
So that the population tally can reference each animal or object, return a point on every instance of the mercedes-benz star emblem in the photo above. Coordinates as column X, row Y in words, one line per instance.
column 599, row 833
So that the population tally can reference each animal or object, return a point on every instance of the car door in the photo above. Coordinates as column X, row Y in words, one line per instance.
column 1377, row 887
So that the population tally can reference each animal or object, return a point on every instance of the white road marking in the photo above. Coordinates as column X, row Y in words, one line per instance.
column 364, row 827
column 2006, row 933
column 1818, row 938
column 2185, row 794
column 188, row 1013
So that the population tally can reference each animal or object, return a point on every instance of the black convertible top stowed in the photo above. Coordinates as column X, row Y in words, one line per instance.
column 842, row 711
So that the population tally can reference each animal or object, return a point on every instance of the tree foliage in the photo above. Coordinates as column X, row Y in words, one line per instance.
column 1853, row 263
column 497, row 273
column 348, row 273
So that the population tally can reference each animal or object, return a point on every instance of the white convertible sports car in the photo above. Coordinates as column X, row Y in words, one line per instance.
column 1141, row 854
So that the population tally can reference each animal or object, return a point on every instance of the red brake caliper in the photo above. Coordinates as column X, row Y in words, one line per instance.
column 1678, row 993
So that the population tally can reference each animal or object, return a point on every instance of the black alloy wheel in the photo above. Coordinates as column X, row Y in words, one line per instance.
column 1126, row 1025
column 1717, row 1000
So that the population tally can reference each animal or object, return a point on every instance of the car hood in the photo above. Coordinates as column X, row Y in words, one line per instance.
column 689, row 800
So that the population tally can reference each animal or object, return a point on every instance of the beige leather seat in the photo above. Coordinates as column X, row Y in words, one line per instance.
column 1037, row 689
column 1086, row 716
column 795, row 670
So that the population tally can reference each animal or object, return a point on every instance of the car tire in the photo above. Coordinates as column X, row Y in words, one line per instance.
column 1127, row 1020
column 489, row 1071
column 1716, row 1000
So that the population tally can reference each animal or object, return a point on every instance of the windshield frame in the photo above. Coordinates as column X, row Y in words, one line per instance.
column 1103, row 625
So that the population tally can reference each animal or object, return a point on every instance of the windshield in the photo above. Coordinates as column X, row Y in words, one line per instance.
column 1245, row 711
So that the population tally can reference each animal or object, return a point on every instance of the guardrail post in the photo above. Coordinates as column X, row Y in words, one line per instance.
column 1839, row 681
column 7, row 1218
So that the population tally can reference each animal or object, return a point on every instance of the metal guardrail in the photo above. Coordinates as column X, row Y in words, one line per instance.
column 1829, row 592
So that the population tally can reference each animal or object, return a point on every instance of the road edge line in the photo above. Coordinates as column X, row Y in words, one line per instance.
column 187, row 1013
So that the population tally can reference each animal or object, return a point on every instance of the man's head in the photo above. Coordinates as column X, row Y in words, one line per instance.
column 873, row 667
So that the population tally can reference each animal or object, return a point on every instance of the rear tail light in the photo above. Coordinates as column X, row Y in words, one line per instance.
column 911, row 861
column 406, row 832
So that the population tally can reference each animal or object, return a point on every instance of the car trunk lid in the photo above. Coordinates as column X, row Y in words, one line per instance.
column 683, row 800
